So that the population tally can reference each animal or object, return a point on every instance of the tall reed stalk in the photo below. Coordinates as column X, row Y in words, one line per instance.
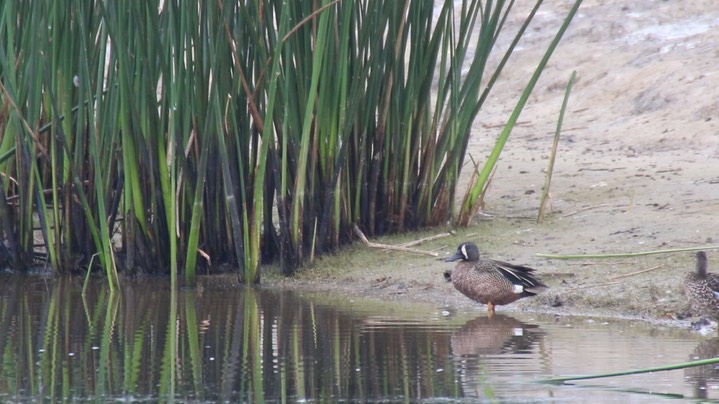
column 146, row 133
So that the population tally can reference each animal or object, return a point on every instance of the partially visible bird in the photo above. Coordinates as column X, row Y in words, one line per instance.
column 488, row 281
column 702, row 289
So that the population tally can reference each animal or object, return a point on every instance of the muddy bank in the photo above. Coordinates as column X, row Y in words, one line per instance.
column 607, row 287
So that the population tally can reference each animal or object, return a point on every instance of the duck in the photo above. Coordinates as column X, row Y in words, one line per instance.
column 702, row 289
column 488, row 281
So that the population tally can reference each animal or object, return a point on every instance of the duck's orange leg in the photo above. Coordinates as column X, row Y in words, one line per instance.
column 490, row 308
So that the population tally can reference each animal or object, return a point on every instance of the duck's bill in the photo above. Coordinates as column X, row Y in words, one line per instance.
column 456, row 257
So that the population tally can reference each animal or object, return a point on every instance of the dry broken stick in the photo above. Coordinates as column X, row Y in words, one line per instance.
column 423, row 240
column 636, row 273
column 391, row 247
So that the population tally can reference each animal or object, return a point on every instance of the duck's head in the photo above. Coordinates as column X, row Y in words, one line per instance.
column 466, row 252
column 701, row 263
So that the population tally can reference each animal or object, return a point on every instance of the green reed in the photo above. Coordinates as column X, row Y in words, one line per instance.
column 675, row 366
column 545, row 198
column 625, row 254
column 144, row 134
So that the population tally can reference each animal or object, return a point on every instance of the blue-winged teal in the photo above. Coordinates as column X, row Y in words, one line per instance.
column 702, row 289
column 488, row 281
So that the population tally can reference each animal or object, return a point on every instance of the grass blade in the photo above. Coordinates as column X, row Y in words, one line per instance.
column 562, row 380
column 553, row 154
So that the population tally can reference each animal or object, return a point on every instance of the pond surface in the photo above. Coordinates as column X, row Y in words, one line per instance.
column 234, row 344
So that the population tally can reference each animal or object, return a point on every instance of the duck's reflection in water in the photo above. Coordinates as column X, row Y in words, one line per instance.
column 494, row 335
column 705, row 377
column 499, row 337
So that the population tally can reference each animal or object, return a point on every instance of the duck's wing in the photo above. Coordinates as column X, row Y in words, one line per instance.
column 713, row 282
column 521, row 275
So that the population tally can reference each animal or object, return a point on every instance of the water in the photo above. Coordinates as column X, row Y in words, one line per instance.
column 235, row 344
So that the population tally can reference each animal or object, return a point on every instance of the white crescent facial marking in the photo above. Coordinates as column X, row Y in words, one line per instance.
column 464, row 251
column 517, row 289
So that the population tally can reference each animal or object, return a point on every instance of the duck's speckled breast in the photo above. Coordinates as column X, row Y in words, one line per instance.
column 482, row 283
column 701, row 295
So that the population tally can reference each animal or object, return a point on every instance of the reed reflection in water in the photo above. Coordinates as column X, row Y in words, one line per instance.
column 213, row 343
column 223, row 342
